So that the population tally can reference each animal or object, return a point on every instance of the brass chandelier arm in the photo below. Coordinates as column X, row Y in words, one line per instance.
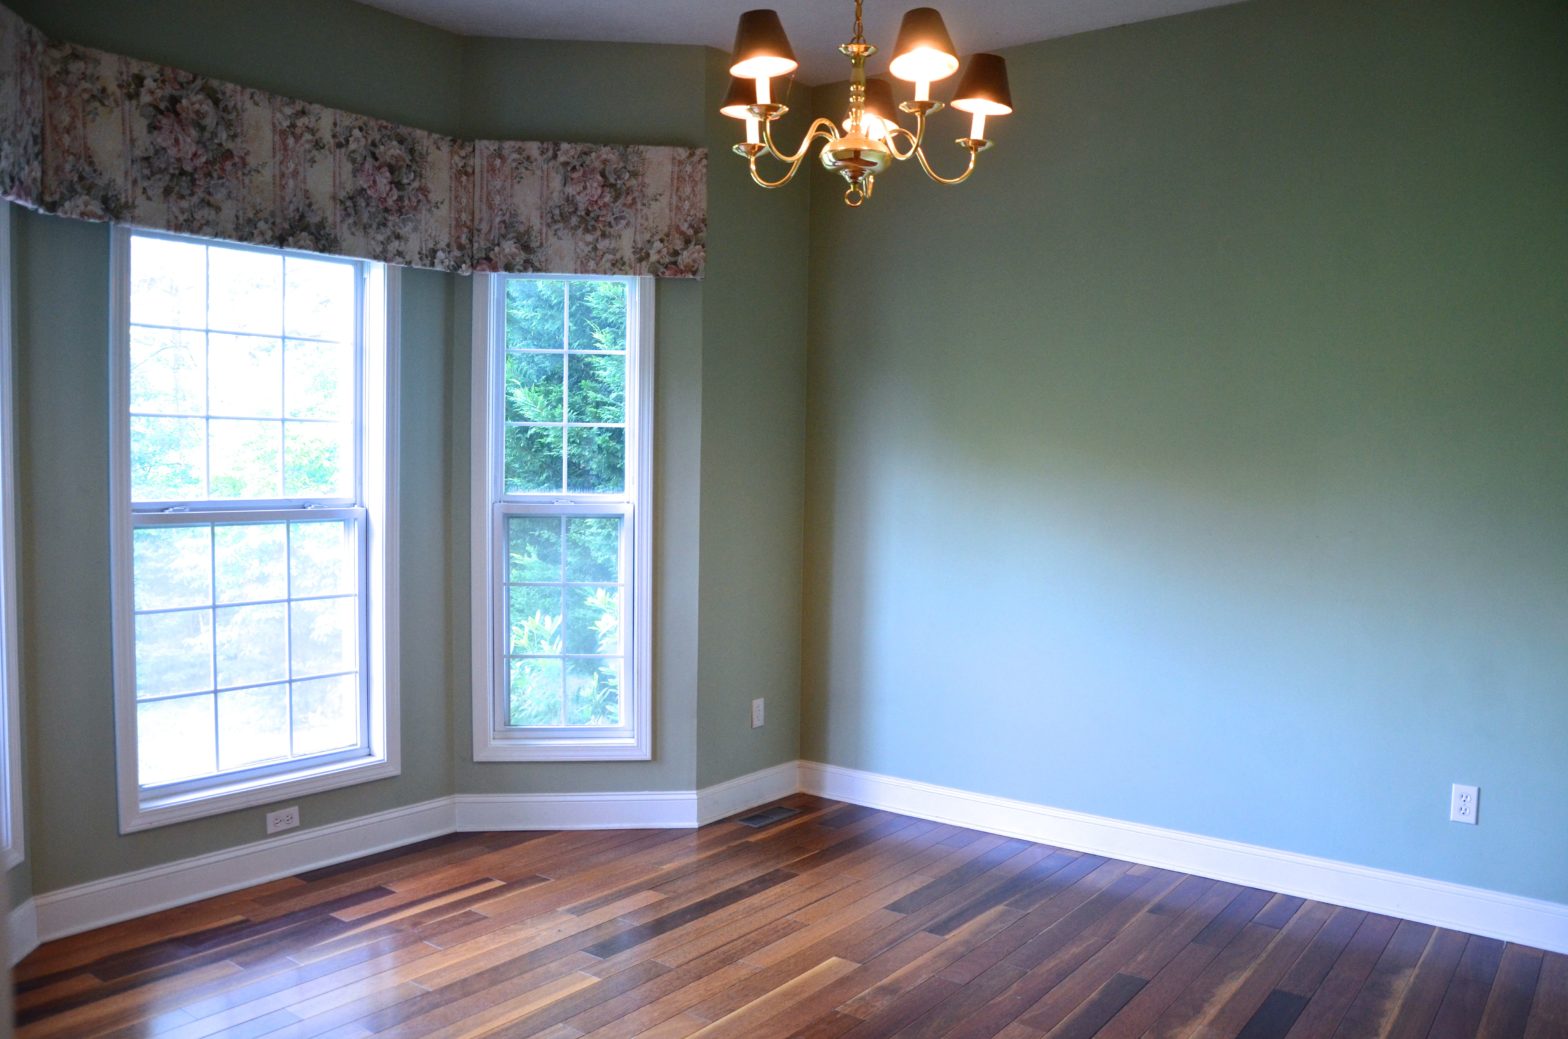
column 820, row 127
column 974, row 152
column 892, row 143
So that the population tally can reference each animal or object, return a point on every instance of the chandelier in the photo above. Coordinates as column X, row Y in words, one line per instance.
column 870, row 136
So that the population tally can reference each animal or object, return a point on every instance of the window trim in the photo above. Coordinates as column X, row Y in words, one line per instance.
column 491, row 742
column 12, row 833
column 378, row 393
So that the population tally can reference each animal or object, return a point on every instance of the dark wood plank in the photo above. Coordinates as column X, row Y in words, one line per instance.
column 841, row 921
column 1465, row 1001
column 1513, row 990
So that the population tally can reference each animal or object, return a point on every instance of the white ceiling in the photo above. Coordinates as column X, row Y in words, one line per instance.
column 815, row 27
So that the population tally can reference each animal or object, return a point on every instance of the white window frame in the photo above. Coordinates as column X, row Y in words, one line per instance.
column 12, row 848
column 492, row 742
column 378, row 435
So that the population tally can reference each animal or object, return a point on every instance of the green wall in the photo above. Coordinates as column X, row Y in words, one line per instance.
column 1201, row 462
column 424, row 77
column 753, row 478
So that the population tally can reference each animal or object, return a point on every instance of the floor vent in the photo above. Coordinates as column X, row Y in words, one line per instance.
column 768, row 816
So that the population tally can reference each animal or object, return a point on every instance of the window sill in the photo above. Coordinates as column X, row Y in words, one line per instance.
column 150, row 814
column 497, row 748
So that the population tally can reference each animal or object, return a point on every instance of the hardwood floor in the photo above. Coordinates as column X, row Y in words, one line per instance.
column 841, row 921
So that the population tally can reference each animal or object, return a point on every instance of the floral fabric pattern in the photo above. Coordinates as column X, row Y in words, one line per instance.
column 21, row 109
column 97, row 136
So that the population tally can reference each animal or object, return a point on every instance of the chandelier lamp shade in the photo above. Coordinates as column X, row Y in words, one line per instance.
column 870, row 137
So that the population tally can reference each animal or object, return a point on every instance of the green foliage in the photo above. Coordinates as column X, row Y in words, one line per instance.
column 565, row 615
column 565, row 363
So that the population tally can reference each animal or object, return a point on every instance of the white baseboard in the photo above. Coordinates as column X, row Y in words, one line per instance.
column 56, row 914
column 651, row 810
column 728, row 798
column 23, row 936
column 99, row 902
column 83, row 907
column 1493, row 914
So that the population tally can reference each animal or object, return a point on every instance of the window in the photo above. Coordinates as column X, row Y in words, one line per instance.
column 254, row 555
column 10, row 688
column 563, row 386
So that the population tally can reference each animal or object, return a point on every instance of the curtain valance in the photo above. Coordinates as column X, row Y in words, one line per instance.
column 96, row 136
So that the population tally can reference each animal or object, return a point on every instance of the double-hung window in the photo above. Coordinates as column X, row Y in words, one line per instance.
column 254, row 553
column 562, row 406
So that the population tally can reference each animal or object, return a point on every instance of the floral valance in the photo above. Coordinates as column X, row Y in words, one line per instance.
column 97, row 136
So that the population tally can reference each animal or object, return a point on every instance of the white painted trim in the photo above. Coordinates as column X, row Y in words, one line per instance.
column 12, row 831
column 99, row 902
column 22, row 930
column 652, row 810
column 379, row 324
column 736, row 795
column 1493, row 914
column 634, row 740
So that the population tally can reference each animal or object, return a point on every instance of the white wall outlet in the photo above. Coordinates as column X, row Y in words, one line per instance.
column 757, row 714
column 1464, row 804
column 283, row 819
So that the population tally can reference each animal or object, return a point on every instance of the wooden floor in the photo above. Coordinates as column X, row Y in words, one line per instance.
column 839, row 922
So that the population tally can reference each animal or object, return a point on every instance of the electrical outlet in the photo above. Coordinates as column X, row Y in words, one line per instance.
column 1464, row 804
column 283, row 819
column 757, row 713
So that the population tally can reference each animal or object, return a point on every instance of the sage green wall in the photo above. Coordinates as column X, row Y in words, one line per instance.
column 62, row 372
column 1201, row 462
column 540, row 90
column 753, row 418
column 332, row 52
column 398, row 70
column 510, row 88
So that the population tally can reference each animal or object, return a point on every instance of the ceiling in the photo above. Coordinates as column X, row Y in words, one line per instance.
column 815, row 27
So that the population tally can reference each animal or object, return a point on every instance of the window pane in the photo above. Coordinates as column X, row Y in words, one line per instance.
column 244, row 376
column 534, row 692
column 319, row 459
column 326, row 714
column 252, row 644
column 174, row 739
column 324, row 635
column 173, row 652
column 172, row 567
column 534, row 387
column 168, row 459
column 533, row 459
column 534, row 548
column 168, row 283
column 596, row 460
column 593, row 619
column 320, row 380
column 253, row 726
column 598, row 388
column 593, row 692
column 168, row 372
column 319, row 299
column 535, row 314
column 593, row 549
column 598, row 315
column 321, row 558
column 251, row 562
column 534, row 619
column 245, row 290
column 247, row 458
